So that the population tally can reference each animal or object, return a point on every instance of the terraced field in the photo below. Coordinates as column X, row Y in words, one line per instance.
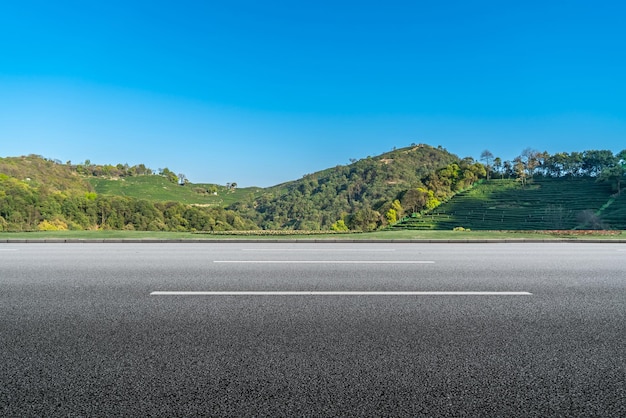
column 614, row 214
column 159, row 189
column 543, row 204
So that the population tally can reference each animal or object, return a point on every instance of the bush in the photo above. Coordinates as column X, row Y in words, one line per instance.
column 339, row 226
column 54, row 225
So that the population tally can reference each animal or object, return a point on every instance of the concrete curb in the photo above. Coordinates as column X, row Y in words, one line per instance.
column 308, row 241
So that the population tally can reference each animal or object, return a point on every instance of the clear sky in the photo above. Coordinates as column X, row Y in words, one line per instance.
column 262, row 92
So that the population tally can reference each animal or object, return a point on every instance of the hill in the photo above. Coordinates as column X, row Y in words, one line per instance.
column 46, row 175
column 361, row 196
column 544, row 203
column 40, row 194
column 434, row 188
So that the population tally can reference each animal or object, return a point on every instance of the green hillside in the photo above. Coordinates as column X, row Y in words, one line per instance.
column 562, row 191
column 358, row 195
column 160, row 189
column 40, row 194
column 547, row 203
column 38, row 172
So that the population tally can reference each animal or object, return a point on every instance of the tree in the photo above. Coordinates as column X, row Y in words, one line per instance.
column 395, row 205
column 575, row 164
column 594, row 161
column 557, row 164
column 169, row 175
column 487, row 156
column 530, row 159
column 615, row 175
column 364, row 220
column 391, row 216
column 520, row 170
column 497, row 163
column 415, row 200
column 508, row 168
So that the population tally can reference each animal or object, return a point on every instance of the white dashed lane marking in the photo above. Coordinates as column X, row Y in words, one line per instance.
column 323, row 262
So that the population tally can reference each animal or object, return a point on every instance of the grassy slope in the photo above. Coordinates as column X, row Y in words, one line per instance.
column 158, row 188
column 37, row 172
column 505, row 205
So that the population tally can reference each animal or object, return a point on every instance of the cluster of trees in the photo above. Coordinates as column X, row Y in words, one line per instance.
column 109, row 170
column 36, row 193
column 600, row 164
column 26, row 208
column 124, row 170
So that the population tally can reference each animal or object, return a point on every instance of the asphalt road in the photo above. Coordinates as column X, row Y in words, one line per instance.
column 82, row 334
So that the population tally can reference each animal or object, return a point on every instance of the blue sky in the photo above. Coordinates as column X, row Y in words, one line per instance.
column 264, row 92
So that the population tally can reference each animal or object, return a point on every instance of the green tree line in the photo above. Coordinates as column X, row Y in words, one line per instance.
column 27, row 208
column 39, row 194
column 602, row 165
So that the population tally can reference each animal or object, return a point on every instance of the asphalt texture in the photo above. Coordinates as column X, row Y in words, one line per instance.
column 82, row 336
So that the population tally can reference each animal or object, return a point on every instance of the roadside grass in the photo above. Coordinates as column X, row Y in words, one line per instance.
column 319, row 236
column 159, row 189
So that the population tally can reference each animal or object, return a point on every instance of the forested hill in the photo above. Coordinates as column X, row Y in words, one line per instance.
column 40, row 194
column 366, row 194
column 37, row 193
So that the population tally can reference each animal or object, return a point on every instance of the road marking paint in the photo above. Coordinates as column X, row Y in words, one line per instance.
column 8, row 249
column 382, row 250
column 323, row 262
column 332, row 293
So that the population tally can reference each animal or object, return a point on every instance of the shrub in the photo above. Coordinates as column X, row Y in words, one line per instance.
column 54, row 225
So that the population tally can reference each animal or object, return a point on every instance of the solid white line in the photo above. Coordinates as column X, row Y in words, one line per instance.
column 334, row 293
column 322, row 262
column 8, row 249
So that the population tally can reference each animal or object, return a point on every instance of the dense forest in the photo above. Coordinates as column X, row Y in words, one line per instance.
column 41, row 194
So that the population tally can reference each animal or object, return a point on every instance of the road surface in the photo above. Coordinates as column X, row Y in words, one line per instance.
column 331, row 330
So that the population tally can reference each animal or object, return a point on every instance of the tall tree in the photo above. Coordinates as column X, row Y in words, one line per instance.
column 520, row 170
column 497, row 163
column 487, row 156
column 530, row 159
